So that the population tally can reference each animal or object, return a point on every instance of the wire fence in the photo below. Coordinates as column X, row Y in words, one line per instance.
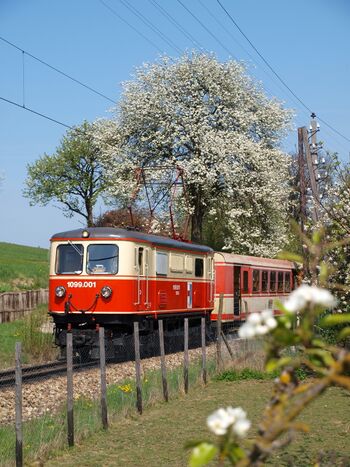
column 40, row 415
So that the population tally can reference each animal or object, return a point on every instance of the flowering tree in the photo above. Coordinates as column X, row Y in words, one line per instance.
column 213, row 122
column 72, row 176
column 293, row 341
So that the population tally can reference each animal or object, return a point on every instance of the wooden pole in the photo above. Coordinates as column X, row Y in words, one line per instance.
column 186, row 360
column 218, row 333
column 162, row 360
column 204, row 348
column 18, row 403
column 104, row 415
column 227, row 345
column 70, row 416
column 138, row 367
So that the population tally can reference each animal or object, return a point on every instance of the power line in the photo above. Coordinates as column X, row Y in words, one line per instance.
column 275, row 73
column 57, row 70
column 28, row 109
column 176, row 24
column 150, row 25
column 207, row 29
column 114, row 13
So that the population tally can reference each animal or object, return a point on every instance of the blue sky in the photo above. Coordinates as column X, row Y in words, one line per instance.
column 307, row 43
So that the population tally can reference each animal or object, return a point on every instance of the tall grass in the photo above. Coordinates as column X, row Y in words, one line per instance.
column 22, row 267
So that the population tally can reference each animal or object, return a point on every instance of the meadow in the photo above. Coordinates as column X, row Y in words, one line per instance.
column 23, row 267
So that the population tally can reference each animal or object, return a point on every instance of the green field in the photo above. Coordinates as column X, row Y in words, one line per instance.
column 157, row 438
column 23, row 267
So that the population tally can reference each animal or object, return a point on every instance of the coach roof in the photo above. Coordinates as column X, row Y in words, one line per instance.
column 115, row 234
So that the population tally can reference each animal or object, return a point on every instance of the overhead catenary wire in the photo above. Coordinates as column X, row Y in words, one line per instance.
column 149, row 24
column 57, row 70
column 275, row 73
column 117, row 15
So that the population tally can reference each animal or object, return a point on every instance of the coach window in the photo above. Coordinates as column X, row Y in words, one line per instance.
column 102, row 259
column 287, row 282
column 69, row 259
column 280, row 282
column 264, row 279
column 256, row 280
column 198, row 267
column 161, row 264
column 245, row 282
column 272, row 281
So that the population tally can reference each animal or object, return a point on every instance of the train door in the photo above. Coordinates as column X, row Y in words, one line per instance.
column 142, row 270
column 236, row 290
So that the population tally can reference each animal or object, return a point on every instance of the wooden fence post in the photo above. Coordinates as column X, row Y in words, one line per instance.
column 218, row 333
column 70, row 416
column 204, row 356
column 101, row 335
column 138, row 367
column 18, row 404
column 186, row 355
column 162, row 360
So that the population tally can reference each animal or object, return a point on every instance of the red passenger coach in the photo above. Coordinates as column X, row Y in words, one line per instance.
column 249, row 284
column 112, row 277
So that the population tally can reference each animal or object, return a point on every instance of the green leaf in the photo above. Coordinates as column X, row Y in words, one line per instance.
column 202, row 454
column 236, row 454
column 290, row 256
column 333, row 320
column 274, row 363
column 344, row 333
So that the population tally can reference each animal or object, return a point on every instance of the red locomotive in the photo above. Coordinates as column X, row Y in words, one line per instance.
column 112, row 277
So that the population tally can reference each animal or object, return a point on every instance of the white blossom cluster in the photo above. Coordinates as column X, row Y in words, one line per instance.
column 233, row 419
column 306, row 295
column 257, row 324
column 211, row 120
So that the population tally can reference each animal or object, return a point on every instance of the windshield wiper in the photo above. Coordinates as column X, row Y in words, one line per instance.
column 75, row 248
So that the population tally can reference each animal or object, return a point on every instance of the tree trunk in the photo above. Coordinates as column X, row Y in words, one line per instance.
column 90, row 217
column 197, row 225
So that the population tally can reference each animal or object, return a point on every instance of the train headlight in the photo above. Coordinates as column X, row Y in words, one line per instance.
column 106, row 291
column 60, row 291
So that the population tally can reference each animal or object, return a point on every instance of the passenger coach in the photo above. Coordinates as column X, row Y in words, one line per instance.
column 250, row 284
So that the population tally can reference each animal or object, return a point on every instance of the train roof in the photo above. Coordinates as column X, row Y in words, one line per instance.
column 123, row 234
column 231, row 258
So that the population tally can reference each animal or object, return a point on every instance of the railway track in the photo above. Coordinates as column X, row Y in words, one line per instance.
column 37, row 372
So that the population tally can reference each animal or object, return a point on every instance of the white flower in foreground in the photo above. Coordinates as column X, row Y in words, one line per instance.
column 307, row 295
column 221, row 420
column 257, row 324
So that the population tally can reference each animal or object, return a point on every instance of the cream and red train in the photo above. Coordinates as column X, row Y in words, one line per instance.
column 112, row 277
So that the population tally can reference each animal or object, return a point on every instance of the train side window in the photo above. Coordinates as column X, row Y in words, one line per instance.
column 176, row 263
column 198, row 267
column 256, row 280
column 189, row 264
column 161, row 264
column 264, row 280
column 245, row 282
column 287, row 282
column 272, row 281
column 69, row 258
column 280, row 282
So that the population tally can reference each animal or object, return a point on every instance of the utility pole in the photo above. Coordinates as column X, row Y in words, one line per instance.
column 301, row 165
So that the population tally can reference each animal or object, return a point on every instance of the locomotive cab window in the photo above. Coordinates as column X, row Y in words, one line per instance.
column 69, row 259
column 102, row 259
column 198, row 267
column 256, row 280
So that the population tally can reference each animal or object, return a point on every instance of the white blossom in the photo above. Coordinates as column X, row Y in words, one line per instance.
column 307, row 295
column 257, row 324
column 234, row 419
column 217, row 125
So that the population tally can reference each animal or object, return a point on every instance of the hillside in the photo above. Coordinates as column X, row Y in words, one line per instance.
column 23, row 267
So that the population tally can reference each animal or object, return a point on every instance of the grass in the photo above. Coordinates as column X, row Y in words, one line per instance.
column 22, row 267
column 158, row 437
column 36, row 345
column 47, row 435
